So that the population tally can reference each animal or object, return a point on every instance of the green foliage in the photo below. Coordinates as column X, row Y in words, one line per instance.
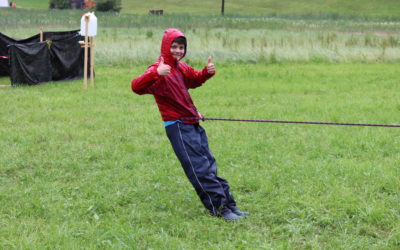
column 108, row 5
column 149, row 34
column 60, row 4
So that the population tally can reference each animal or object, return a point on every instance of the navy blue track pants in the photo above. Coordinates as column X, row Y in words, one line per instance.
column 190, row 144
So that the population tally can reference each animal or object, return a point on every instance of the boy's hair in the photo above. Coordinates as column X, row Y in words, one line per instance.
column 180, row 40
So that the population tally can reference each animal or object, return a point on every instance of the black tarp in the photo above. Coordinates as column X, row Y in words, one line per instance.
column 5, row 42
column 31, row 63
column 4, row 61
column 58, row 57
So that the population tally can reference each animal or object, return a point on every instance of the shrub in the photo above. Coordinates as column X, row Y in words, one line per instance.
column 109, row 5
column 60, row 4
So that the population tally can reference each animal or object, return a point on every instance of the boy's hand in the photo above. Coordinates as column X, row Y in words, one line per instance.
column 163, row 69
column 200, row 115
column 210, row 66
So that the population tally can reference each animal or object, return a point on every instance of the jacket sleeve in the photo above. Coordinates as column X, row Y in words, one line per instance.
column 195, row 78
column 142, row 84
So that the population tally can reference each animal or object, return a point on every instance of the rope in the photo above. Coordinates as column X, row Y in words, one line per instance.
column 298, row 122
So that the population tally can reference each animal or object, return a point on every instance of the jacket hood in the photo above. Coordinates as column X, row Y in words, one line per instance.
column 169, row 36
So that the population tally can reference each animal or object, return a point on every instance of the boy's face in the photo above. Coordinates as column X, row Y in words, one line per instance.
column 177, row 50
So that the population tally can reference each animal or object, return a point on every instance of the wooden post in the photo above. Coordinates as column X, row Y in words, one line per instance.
column 223, row 7
column 41, row 34
column 92, row 45
column 86, row 52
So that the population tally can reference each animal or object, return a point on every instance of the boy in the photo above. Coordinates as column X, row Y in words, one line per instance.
column 168, row 80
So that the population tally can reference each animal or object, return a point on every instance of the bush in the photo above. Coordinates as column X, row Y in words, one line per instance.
column 108, row 5
column 60, row 4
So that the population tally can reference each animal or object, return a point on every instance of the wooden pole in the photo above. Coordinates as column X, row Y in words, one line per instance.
column 92, row 61
column 86, row 52
column 41, row 34
column 223, row 7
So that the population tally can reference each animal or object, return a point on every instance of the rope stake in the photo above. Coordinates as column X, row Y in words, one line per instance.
column 296, row 122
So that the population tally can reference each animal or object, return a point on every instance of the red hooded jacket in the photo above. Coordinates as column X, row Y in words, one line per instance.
column 171, row 91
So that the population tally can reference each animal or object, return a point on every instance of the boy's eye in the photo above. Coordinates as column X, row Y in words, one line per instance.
column 181, row 47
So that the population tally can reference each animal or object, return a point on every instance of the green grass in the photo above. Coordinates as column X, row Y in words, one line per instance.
column 135, row 39
column 35, row 4
column 333, row 8
column 94, row 169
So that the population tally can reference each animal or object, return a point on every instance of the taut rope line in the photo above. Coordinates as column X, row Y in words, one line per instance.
column 297, row 122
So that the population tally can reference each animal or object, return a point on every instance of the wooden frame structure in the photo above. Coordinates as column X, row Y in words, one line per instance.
column 88, row 43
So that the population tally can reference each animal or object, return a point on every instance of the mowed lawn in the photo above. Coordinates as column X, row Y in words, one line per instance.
column 34, row 4
column 374, row 8
column 94, row 169
column 332, row 8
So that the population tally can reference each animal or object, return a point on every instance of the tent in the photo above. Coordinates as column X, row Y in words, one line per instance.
column 4, row 3
column 29, row 61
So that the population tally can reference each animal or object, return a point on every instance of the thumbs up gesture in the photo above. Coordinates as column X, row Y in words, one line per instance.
column 163, row 69
column 210, row 66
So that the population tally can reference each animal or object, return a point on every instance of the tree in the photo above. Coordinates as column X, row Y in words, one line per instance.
column 60, row 4
column 109, row 5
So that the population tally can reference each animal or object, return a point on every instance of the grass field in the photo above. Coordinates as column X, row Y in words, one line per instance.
column 374, row 8
column 32, row 4
column 233, row 39
column 333, row 8
column 94, row 170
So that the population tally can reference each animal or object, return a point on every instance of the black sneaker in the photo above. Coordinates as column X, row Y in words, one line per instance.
column 230, row 216
column 236, row 211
